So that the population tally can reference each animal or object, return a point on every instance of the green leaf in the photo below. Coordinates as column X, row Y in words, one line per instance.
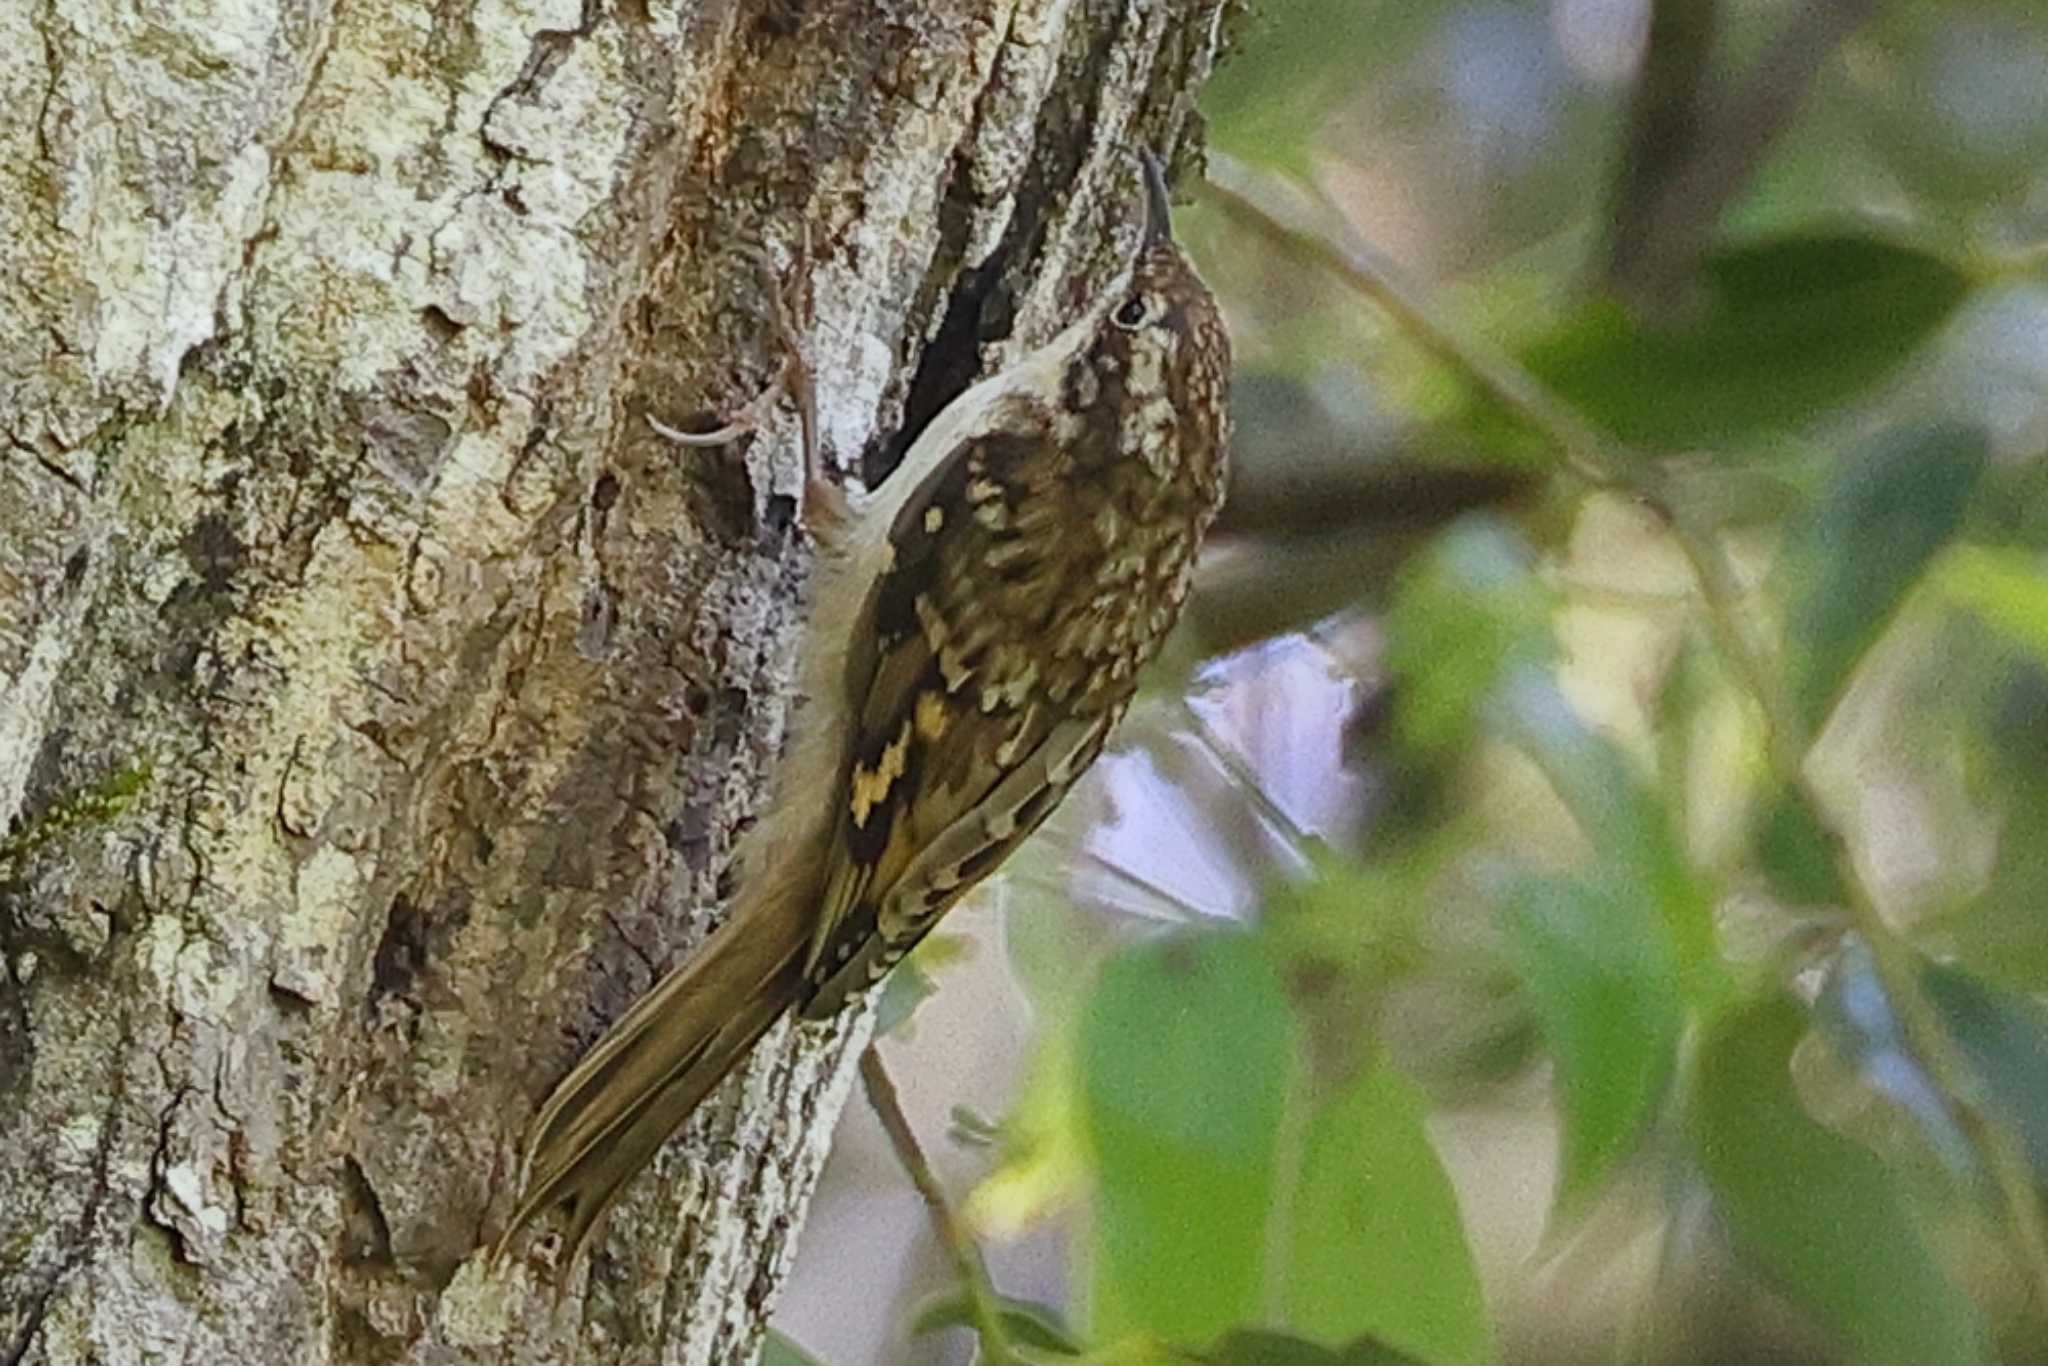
column 1601, row 978
column 1638, row 852
column 903, row 992
column 2011, row 511
column 1255, row 1347
column 1247, row 1347
column 1185, row 1052
column 2005, row 1037
column 910, row 985
column 1283, row 75
column 1999, row 934
column 1141, row 1351
column 1377, row 1245
column 1467, row 611
column 1025, row 1323
column 1820, row 1214
column 1785, row 329
column 1797, row 853
column 777, row 1350
column 2006, row 588
column 1050, row 941
column 1847, row 567
column 1042, row 1165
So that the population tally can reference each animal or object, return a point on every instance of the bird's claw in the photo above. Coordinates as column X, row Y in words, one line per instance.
column 790, row 310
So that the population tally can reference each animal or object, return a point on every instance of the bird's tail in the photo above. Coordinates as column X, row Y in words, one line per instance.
column 608, row 1117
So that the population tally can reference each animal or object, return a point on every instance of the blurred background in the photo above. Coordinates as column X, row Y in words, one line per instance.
column 1578, row 891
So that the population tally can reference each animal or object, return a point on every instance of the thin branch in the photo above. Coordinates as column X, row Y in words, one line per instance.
column 1297, row 470
column 1300, row 842
column 1237, row 191
column 982, row 1300
column 1180, row 910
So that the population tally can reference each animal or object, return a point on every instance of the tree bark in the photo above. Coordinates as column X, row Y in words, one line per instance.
column 378, row 693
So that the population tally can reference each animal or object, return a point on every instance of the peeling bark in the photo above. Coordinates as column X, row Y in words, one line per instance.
column 378, row 694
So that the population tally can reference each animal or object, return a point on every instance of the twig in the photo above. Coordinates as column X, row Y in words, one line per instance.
column 1180, row 910
column 953, row 1236
column 1297, row 470
column 1302, row 844
column 1591, row 456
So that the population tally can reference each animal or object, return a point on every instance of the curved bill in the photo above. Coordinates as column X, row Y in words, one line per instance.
column 1158, row 208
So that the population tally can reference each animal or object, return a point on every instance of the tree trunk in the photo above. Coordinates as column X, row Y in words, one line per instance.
column 378, row 693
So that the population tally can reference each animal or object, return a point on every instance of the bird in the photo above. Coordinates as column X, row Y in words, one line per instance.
column 979, row 624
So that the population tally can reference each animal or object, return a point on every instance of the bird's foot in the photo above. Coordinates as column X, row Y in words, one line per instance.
column 791, row 311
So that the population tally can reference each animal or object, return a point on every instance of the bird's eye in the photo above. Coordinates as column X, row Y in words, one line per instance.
column 1132, row 313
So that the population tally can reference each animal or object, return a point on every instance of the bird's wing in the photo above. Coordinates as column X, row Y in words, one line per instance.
column 960, row 751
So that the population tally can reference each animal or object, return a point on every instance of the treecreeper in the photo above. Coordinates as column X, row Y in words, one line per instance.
column 978, row 626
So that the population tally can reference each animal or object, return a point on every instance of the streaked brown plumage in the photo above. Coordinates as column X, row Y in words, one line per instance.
column 979, row 627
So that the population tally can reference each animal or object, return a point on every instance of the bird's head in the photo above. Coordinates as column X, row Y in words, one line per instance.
column 1158, row 362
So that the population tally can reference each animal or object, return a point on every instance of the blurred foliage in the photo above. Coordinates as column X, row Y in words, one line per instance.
column 1036, row 1327
column 1820, row 1213
column 781, row 1351
column 1691, row 807
column 1604, row 990
column 1846, row 567
column 1780, row 331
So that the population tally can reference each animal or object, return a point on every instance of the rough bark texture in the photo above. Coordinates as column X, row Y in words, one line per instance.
column 377, row 693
